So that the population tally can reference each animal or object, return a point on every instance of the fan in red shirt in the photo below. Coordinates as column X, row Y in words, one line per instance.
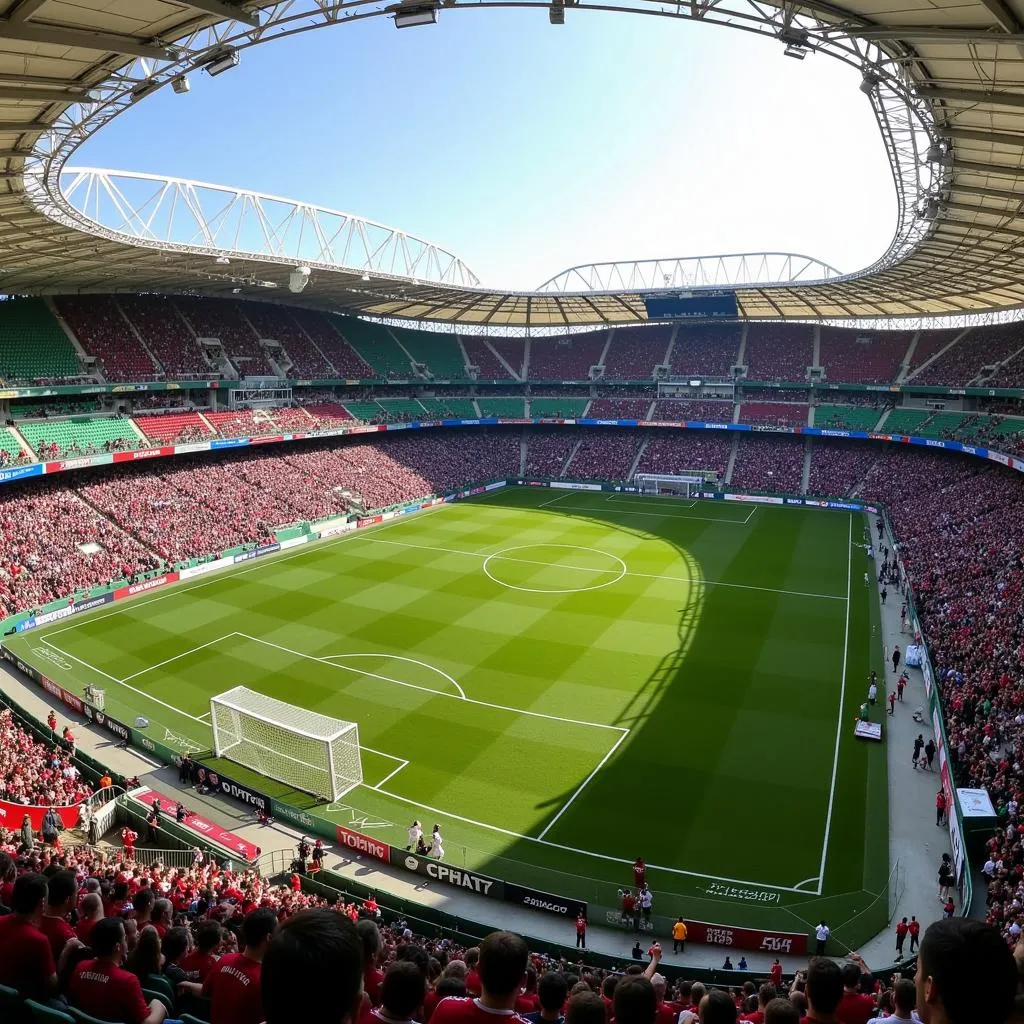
column 502, row 968
column 233, row 986
column 26, row 961
column 128, row 838
column 201, row 960
column 775, row 974
column 61, row 898
column 102, row 989
column 765, row 994
column 639, row 873
column 855, row 1007
column 91, row 912
column 472, row 958
column 373, row 978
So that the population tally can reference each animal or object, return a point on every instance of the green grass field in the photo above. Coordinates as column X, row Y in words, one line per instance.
column 564, row 680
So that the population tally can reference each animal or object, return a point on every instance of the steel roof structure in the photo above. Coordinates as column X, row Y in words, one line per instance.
column 945, row 80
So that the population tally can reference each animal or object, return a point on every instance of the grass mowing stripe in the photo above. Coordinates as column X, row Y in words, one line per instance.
column 716, row 696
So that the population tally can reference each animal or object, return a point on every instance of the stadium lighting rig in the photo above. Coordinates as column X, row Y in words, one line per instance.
column 795, row 40
column 223, row 60
column 410, row 15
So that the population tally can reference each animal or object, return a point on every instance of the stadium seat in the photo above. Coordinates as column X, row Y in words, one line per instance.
column 440, row 353
column 847, row 417
column 33, row 347
column 81, row 434
column 42, row 1014
column 376, row 347
column 503, row 408
column 84, row 1018
column 150, row 993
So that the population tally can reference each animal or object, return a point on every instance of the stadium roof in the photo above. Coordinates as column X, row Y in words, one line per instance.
column 946, row 81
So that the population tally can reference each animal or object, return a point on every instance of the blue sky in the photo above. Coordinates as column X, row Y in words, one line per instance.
column 526, row 148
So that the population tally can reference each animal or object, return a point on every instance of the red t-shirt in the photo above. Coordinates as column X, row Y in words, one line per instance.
column 472, row 982
column 776, row 975
column 57, row 931
column 108, row 992
column 234, row 990
column 639, row 872
column 26, row 960
column 464, row 1010
column 84, row 929
column 196, row 961
column 855, row 1008
column 666, row 1013
column 372, row 981
column 430, row 1002
column 526, row 1003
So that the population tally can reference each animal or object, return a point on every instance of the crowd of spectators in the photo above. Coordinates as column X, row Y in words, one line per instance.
column 635, row 351
column 547, row 450
column 861, row 357
column 776, row 414
column 482, row 356
column 710, row 350
column 779, row 352
column 167, row 336
column 341, row 355
column 276, row 323
column 132, row 943
column 174, row 427
column 36, row 774
column 619, row 408
column 837, row 467
column 766, row 463
column 978, row 347
column 682, row 410
column 223, row 320
column 100, row 326
column 566, row 358
column 604, row 454
column 682, row 451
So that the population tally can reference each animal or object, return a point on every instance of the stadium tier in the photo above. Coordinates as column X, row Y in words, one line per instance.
column 509, row 408
column 863, row 358
column 634, row 352
column 102, row 329
column 32, row 344
column 375, row 346
column 55, row 438
column 449, row 408
column 678, row 453
column 567, row 358
column 273, row 322
column 558, row 408
column 769, row 464
column 439, row 354
column 489, row 365
column 174, row 427
column 164, row 331
column 399, row 410
column 975, row 350
column 618, row 408
column 325, row 333
column 709, row 351
column 713, row 411
column 11, row 449
column 781, row 414
column 847, row 417
column 224, row 322
column 779, row 352
column 905, row 421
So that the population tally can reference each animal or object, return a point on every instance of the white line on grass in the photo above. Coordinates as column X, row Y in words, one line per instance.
column 177, row 657
column 657, row 515
column 584, row 568
column 576, row 849
column 581, row 787
column 387, row 778
column 839, row 724
column 204, row 717
column 327, row 660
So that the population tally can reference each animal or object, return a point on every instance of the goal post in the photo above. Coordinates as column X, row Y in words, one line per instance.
column 305, row 750
column 685, row 484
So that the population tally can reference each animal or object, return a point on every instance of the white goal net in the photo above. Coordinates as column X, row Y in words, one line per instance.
column 684, row 485
column 310, row 752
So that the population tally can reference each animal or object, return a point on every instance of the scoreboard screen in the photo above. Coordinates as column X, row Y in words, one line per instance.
column 683, row 305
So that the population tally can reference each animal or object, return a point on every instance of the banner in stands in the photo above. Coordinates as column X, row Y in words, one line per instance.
column 104, row 721
column 546, row 901
column 364, row 845
column 457, row 878
column 68, row 699
column 790, row 943
column 956, row 838
column 12, row 815
column 220, row 783
column 20, row 472
column 209, row 830
column 139, row 588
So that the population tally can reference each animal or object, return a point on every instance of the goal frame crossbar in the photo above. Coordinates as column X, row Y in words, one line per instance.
column 320, row 733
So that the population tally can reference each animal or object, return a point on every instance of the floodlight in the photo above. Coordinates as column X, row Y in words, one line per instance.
column 409, row 15
column 298, row 279
column 795, row 40
column 556, row 13
column 181, row 85
column 795, row 51
column 869, row 82
column 929, row 209
column 224, row 60
column 143, row 89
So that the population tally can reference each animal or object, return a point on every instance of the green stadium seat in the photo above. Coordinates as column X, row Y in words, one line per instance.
column 375, row 344
column 368, row 412
column 558, row 408
column 846, row 417
column 905, row 421
column 944, row 424
column 439, row 352
column 449, row 408
column 47, row 1014
column 9, row 443
column 149, row 994
column 506, row 408
column 398, row 410
column 83, row 432
column 33, row 344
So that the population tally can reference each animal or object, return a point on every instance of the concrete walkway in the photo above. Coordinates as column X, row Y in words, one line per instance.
column 914, row 839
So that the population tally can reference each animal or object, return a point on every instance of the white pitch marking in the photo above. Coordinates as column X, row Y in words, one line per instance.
column 574, row 849
column 397, row 657
column 583, row 568
column 184, row 654
column 807, row 881
column 387, row 778
column 581, row 787
column 204, row 716
column 500, row 554
column 620, row 498
column 554, row 501
column 127, row 686
column 839, row 723
column 654, row 515
column 437, row 693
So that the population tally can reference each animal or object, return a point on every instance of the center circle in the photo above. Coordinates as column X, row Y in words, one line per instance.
column 601, row 577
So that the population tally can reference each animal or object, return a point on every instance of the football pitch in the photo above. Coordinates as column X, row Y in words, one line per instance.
column 564, row 680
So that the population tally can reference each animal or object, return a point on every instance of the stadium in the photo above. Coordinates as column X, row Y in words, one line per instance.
column 625, row 600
